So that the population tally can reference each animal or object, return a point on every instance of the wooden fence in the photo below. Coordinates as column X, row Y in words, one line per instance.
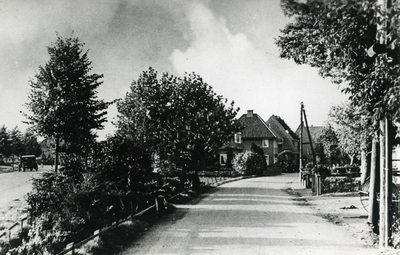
column 158, row 206
column 7, row 233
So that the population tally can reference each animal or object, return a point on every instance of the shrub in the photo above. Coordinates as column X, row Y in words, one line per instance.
column 249, row 162
column 68, row 206
column 288, row 162
column 321, row 169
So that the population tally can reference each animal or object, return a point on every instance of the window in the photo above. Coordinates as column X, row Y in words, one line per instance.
column 265, row 143
column 280, row 142
column 267, row 159
column 238, row 138
column 222, row 159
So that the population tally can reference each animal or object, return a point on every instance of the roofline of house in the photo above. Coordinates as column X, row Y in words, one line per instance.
column 263, row 122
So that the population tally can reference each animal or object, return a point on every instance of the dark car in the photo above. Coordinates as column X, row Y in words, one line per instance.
column 28, row 162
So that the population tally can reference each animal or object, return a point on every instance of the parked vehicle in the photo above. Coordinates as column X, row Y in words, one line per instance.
column 28, row 162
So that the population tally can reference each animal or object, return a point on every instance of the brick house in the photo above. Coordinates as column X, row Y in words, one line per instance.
column 315, row 132
column 255, row 130
column 287, row 140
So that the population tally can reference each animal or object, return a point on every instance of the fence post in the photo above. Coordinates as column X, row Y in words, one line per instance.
column 22, row 222
column 9, row 231
column 156, row 203
column 97, row 235
column 70, row 246
column 319, row 183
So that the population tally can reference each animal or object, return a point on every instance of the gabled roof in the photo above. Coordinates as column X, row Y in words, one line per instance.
column 315, row 132
column 255, row 127
column 284, row 128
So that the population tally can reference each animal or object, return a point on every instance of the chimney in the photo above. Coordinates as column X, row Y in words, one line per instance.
column 250, row 113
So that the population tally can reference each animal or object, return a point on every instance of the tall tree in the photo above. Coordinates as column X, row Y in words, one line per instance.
column 353, row 128
column 17, row 145
column 63, row 98
column 31, row 144
column 181, row 119
column 5, row 142
column 334, row 37
column 329, row 142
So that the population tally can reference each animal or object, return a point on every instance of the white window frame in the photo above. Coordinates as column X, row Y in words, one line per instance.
column 265, row 143
column 238, row 138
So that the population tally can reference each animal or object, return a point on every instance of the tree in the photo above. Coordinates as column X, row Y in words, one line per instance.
column 330, row 144
column 63, row 98
column 334, row 36
column 31, row 144
column 180, row 119
column 5, row 142
column 17, row 146
column 354, row 130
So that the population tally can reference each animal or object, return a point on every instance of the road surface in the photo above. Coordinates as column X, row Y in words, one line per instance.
column 15, row 185
column 250, row 216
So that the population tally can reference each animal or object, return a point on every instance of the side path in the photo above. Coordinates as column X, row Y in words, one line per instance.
column 250, row 216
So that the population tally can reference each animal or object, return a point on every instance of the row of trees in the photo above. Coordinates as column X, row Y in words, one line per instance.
column 168, row 129
column 15, row 143
column 354, row 43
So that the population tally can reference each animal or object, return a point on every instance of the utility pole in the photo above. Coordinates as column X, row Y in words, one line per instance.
column 309, row 138
column 301, row 142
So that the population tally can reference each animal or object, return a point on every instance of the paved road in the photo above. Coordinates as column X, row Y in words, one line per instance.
column 251, row 216
column 15, row 185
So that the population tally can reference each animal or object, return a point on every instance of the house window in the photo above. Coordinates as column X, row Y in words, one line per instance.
column 267, row 159
column 280, row 142
column 238, row 138
column 265, row 143
column 222, row 159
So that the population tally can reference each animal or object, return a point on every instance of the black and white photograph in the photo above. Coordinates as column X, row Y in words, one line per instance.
column 199, row 127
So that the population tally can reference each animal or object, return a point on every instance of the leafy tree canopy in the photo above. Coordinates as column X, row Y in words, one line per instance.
column 63, row 98
column 178, row 118
column 5, row 142
column 334, row 36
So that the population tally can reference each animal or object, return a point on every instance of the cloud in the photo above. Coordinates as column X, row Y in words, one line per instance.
column 254, row 79
column 226, row 59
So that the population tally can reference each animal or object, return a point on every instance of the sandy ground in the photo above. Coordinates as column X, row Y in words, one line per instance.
column 343, row 209
column 257, row 216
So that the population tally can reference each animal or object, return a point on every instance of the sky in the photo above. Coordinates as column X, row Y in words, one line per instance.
column 229, row 43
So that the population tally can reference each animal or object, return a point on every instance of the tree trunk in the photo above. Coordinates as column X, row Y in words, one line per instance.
column 364, row 166
column 373, row 210
column 385, row 182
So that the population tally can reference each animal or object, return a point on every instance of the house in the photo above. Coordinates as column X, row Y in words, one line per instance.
column 255, row 130
column 315, row 133
column 287, row 140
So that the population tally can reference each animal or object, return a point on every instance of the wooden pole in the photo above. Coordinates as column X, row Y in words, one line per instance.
column 301, row 143
column 309, row 138
column 373, row 207
column 383, row 235
column 385, row 157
